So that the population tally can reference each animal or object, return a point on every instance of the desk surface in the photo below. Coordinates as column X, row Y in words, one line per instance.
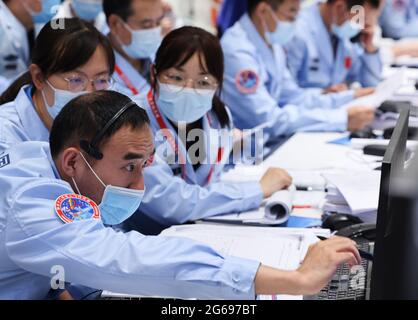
column 313, row 152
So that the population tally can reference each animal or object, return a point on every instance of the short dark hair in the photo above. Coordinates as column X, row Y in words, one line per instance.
column 121, row 8
column 252, row 4
column 180, row 45
column 61, row 50
column 83, row 117
column 351, row 3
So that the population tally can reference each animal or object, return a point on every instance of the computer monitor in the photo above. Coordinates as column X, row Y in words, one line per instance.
column 383, row 278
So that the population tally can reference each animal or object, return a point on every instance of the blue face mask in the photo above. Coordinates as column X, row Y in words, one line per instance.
column 49, row 9
column 284, row 32
column 347, row 30
column 61, row 98
column 87, row 10
column 184, row 104
column 117, row 204
column 145, row 43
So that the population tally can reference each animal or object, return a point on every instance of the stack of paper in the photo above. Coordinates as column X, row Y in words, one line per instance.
column 309, row 179
column 355, row 193
column 384, row 91
column 282, row 248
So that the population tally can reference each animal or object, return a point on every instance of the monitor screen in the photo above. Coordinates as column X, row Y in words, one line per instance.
column 393, row 164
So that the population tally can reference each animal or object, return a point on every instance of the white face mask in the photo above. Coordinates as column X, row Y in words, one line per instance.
column 284, row 32
column 87, row 9
column 184, row 104
column 61, row 98
column 347, row 30
column 145, row 43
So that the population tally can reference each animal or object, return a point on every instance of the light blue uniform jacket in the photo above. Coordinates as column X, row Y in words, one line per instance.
column 399, row 19
column 33, row 240
column 14, row 47
column 169, row 198
column 270, row 95
column 311, row 59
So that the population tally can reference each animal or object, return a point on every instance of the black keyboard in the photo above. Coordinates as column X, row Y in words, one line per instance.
column 349, row 284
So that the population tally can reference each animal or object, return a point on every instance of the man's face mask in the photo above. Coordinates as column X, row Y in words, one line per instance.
column 145, row 43
column 87, row 9
column 118, row 203
column 284, row 32
column 48, row 11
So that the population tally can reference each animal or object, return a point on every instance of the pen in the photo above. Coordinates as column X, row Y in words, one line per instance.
column 302, row 207
column 363, row 254
column 308, row 188
column 302, row 188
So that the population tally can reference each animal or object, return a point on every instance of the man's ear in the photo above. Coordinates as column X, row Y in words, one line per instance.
column 37, row 76
column 118, row 30
column 114, row 23
column 261, row 9
column 71, row 162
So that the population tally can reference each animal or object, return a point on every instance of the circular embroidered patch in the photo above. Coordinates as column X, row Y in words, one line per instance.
column 73, row 207
column 247, row 81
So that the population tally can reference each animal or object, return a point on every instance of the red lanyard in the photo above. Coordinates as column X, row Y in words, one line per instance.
column 172, row 141
column 126, row 80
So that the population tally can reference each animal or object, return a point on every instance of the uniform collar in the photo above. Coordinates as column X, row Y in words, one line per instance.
column 133, row 75
column 52, row 162
column 260, row 45
column 193, row 176
column 321, row 34
column 32, row 123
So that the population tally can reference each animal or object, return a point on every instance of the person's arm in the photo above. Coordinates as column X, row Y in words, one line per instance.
column 367, row 65
column 92, row 255
column 258, row 107
column 311, row 99
column 170, row 200
column 318, row 267
column 405, row 48
column 10, row 133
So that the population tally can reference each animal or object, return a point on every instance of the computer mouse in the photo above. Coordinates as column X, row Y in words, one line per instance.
column 375, row 150
column 338, row 221
column 365, row 134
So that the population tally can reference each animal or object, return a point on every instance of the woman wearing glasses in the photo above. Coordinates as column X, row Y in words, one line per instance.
column 192, row 131
column 70, row 58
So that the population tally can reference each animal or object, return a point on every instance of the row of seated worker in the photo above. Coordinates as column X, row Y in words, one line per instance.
column 398, row 19
column 68, row 126
column 23, row 19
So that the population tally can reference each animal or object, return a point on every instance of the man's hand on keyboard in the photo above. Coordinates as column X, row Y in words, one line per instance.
column 323, row 259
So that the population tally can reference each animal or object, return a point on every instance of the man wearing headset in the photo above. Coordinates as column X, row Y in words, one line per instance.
column 51, row 227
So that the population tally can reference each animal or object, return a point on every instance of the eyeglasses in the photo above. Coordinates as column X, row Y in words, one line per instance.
column 78, row 83
column 206, row 82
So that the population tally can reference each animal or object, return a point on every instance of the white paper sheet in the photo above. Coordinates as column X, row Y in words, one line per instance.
column 384, row 91
column 359, row 189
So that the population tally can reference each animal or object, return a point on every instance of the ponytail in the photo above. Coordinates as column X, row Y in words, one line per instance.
column 12, row 91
